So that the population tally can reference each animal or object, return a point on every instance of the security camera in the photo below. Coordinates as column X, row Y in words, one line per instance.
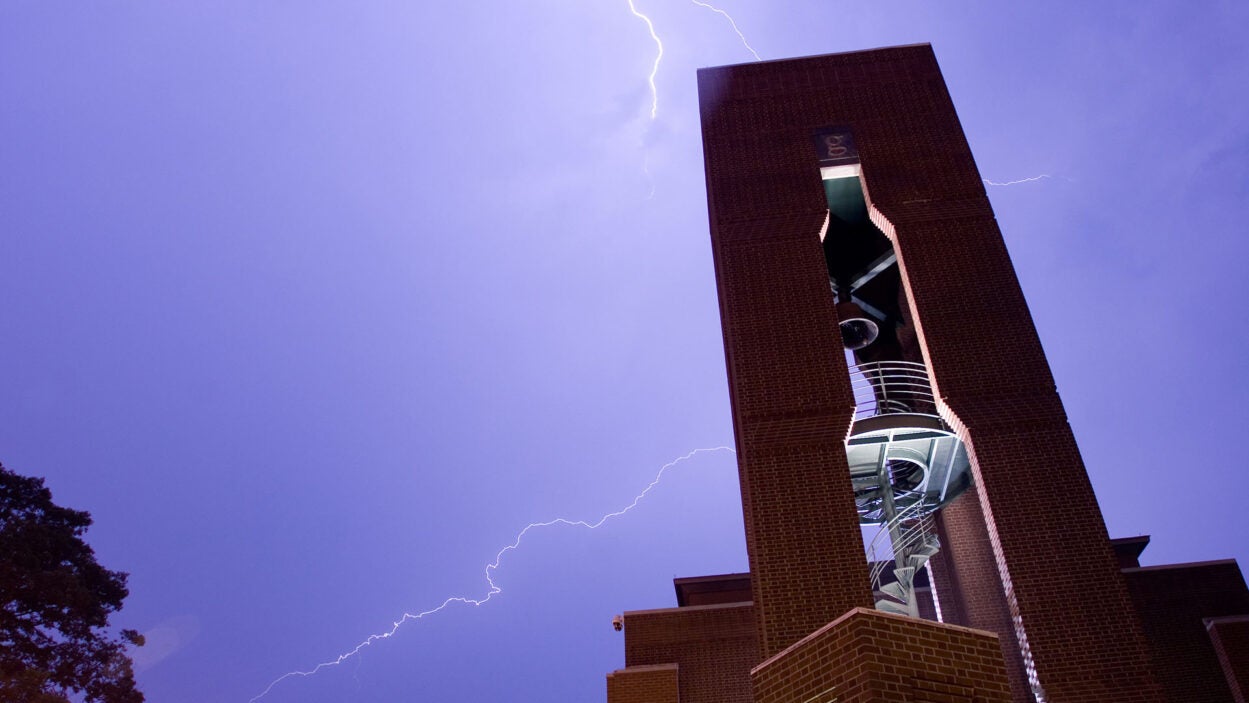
column 617, row 623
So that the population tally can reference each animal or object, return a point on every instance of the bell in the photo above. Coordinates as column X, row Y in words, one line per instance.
column 857, row 329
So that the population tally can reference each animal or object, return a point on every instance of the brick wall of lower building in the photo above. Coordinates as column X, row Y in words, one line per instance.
column 644, row 684
column 871, row 657
column 1230, row 637
column 714, row 645
column 1174, row 601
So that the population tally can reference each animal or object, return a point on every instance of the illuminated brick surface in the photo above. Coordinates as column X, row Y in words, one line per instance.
column 871, row 657
column 969, row 587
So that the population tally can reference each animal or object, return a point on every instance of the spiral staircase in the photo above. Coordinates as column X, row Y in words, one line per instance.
column 905, row 464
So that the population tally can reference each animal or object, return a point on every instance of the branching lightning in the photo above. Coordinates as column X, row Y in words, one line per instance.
column 728, row 17
column 659, row 57
column 492, row 588
column 1021, row 180
column 659, row 46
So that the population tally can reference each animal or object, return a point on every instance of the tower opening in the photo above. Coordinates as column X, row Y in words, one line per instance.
column 905, row 462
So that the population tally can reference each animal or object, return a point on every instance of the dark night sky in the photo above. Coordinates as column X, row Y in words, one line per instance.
column 315, row 305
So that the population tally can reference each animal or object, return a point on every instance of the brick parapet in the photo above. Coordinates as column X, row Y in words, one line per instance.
column 1175, row 601
column 714, row 645
column 867, row 656
column 644, row 684
column 1230, row 637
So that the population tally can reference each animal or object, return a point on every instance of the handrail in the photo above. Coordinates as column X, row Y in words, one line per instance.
column 891, row 388
column 898, row 388
column 911, row 535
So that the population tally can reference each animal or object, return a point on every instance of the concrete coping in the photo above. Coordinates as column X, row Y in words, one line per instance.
column 1225, row 620
column 644, row 668
column 690, row 608
column 1186, row 565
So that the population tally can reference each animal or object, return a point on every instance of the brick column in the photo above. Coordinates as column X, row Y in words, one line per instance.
column 792, row 408
column 1070, row 608
column 788, row 382
column 966, row 571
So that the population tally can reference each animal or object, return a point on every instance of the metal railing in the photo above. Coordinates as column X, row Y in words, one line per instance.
column 891, row 387
column 912, row 541
column 911, row 528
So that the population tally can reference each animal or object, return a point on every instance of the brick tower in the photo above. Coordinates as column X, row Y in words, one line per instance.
column 847, row 213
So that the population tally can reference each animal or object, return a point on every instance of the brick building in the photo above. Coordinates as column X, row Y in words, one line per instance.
column 884, row 370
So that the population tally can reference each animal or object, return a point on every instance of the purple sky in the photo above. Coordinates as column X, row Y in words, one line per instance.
column 315, row 305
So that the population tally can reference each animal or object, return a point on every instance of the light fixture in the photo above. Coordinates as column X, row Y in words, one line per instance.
column 857, row 329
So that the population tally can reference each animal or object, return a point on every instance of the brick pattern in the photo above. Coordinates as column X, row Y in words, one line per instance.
column 792, row 407
column 927, row 604
column 713, row 645
column 967, row 580
column 1069, row 606
column 1067, row 599
column 1174, row 602
column 788, row 383
column 644, row 684
column 1230, row 637
column 871, row 657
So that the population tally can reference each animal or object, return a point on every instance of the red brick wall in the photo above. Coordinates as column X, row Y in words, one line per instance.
column 927, row 606
column 1174, row 601
column 872, row 657
column 714, row 645
column 967, row 581
column 792, row 408
column 643, row 684
column 1230, row 637
column 788, row 382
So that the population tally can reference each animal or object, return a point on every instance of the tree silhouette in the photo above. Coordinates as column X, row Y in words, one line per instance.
column 55, row 601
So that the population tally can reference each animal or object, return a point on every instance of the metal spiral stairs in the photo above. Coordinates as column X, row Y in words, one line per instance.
column 905, row 464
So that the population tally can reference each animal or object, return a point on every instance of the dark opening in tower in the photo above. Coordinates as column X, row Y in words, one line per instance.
column 905, row 462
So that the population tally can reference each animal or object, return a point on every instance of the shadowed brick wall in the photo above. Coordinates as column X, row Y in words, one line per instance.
column 714, row 646
column 1174, row 601
column 788, row 381
column 1231, row 642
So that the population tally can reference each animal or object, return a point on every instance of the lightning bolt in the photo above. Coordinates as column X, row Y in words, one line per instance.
column 659, row 57
column 1021, row 180
column 492, row 588
column 729, row 17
